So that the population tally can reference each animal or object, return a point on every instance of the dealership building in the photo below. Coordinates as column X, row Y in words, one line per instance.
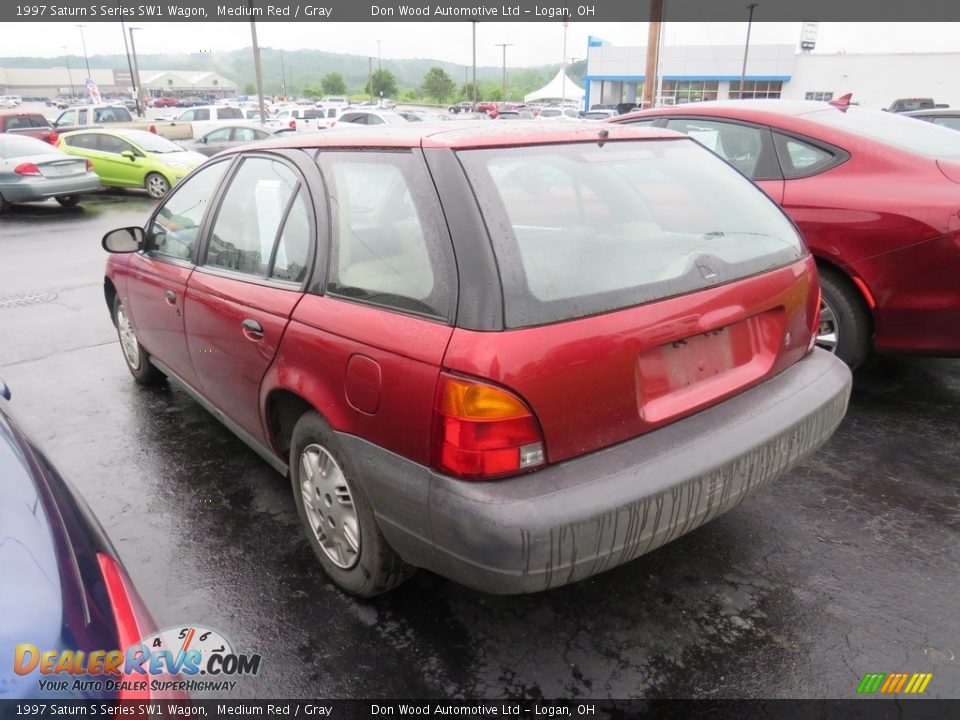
column 68, row 81
column 689, row 73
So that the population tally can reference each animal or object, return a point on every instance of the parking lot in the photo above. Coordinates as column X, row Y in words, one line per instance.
column 846, row 566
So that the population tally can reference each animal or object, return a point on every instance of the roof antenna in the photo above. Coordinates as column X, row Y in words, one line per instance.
column 842, row 102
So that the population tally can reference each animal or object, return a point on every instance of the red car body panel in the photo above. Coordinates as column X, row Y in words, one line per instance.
column 319, row 362
column 887, row 218
column 599, row 380
column 230, row 360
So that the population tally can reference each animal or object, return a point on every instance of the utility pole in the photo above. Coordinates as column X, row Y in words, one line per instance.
column 66, row 59
column 83, row 40
column 379, row 63
column 563, row 67
column 283, row 77
column 136, row 68
column 370, row 77
column 746, row 47
column 473, row 90
column 126, row 49
column 258, row 70
column 653, row 54
column 503, row 93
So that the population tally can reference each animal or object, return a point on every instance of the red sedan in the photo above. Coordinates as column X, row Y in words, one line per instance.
column 877, row 199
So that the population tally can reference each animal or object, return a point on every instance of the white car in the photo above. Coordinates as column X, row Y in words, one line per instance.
column 555, row 114
column 333, row 101
column 370, row 117
column 302, row 119
column 598, row 115
column 204, row 118
column 10, row 101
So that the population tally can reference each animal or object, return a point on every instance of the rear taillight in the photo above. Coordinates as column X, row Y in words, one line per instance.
column 482, row 431
column 89, row 164
column 292, row 125
column 27, row 169
column 53, row 138
column 129, row 617
column 153, row 129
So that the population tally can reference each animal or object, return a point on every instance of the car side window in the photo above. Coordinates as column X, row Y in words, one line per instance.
column 87, row 141
column 110, row 144
column 643, row 122
column 221, row 135
column 241, row 134
column 201, row 114
column 188, row 115
column 250, row 215
column 801, row 159
column 257, row 134
column 387, row 242
column 174, row 228
column 82, row 117
column 951, row 122
column 230, row 114
column 67, row 118
column 739, row 145
column 353, row 118
column 293, row 248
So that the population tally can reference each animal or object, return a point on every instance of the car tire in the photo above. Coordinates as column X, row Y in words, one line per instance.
column 69, row 200
column 156, row 185
column 338, row 521
column 4, row 205
column 136, row 358
column 845, row 323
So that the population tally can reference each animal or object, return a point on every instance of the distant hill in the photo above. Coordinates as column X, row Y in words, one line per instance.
column 306, row 68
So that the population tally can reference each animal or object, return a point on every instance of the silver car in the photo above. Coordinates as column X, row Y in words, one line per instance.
column 32, row 171
column 226, row 136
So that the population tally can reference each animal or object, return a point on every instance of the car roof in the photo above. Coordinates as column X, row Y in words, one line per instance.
column 753, row 108
column 464, row 135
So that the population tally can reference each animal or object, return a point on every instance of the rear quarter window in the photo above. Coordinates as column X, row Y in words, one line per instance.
column 582, row 229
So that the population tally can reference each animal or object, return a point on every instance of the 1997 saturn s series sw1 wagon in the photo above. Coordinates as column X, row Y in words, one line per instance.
column 514, row 356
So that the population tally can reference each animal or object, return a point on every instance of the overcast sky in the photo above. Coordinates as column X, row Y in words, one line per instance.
column 533, row 43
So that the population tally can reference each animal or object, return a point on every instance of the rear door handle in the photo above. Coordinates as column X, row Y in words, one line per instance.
column 171, row 297
column 252, row 329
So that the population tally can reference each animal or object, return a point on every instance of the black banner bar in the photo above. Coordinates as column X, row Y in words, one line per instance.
column 472, row 10
column 864, row 709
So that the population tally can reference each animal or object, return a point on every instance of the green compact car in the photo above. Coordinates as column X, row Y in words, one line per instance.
column 132, row 158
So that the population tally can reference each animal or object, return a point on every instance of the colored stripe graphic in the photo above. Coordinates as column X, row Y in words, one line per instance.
column 894, row 683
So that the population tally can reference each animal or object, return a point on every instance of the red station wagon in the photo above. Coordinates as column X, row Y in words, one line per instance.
column 514, row 357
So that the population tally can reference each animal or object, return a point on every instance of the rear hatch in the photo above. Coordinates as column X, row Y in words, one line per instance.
column 642, row 280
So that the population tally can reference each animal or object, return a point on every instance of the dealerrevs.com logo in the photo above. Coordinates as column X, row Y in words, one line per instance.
column 894, row 683
column 180, row 659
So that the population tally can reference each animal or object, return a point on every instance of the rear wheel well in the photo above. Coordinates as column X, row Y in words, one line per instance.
column 110, row 293
column 844, row 277
column 284, row 408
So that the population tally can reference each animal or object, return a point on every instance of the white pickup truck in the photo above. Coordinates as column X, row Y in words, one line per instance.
column 204, row 118
column 303, row 119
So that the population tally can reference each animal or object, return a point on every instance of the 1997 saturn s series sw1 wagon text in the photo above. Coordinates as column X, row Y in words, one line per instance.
column 514, row 356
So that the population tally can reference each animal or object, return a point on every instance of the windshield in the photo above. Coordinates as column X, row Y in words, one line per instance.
column 148, row 142
column 905, row 133
column 581, row 229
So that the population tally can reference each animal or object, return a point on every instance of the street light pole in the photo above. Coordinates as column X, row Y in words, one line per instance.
column 379, row 62
column 136, row 86
column 746, row 47
column 563, row 67
column 503, row 94
column 283, row 77
column 66, row 59
column 370, row 77
column 473, row 90
column 258, row 70
column 83, row 41
column 136, row 68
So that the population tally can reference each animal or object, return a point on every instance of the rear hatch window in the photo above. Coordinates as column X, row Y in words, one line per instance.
column 584, row 228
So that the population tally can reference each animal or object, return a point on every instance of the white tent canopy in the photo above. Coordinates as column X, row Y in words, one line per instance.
column 557, row 89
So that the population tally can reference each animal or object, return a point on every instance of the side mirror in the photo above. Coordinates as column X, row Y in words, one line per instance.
column 128, row 154
column 123, row 240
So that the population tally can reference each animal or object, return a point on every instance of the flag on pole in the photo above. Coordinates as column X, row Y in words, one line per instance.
column 94, row 92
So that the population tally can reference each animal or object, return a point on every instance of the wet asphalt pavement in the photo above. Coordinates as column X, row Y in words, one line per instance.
column 850, row 564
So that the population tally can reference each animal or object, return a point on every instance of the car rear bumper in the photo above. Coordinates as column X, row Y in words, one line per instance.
column 43, row 188
column 586, row 515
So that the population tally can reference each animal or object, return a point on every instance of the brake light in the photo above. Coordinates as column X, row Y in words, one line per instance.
column 27, row 169
column 89, row 165
column 131, row 625
column 292, row 125
column 153, row 129
column 52, row 138
column 482, row 431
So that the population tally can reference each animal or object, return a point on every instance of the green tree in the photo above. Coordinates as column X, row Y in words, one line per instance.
column 437, row 84
column 312, row 92
column 384, row 83
column 249, row 89
column 333, row 84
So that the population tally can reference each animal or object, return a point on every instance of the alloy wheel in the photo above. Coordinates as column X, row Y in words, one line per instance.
column 828, row 333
